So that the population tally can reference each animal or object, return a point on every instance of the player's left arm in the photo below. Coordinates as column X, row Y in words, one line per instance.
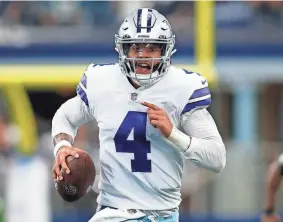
column 199, row 137
column 206, row 147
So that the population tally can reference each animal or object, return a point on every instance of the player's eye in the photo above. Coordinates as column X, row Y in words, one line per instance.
column 143, row 47
column 126, row 48
column 153, row 48
column 135, row 48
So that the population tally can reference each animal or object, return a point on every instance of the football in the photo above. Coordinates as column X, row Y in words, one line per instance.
column 79, row 181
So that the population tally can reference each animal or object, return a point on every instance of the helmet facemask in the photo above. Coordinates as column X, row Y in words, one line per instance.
column 157, row 66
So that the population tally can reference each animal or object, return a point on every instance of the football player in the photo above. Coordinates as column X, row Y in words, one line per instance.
column 151, row 116
column 274, row 177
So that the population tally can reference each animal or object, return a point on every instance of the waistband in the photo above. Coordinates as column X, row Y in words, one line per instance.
column 156, row 213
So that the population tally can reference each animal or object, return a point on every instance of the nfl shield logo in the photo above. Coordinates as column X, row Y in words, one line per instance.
column 134, row 96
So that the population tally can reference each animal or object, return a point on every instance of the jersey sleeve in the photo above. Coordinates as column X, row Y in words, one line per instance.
column 82, row 86
column 74, row 112
column 206, row 148
column 70, row 116
column 200, row 97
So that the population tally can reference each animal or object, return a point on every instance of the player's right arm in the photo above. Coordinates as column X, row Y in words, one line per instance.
column 274, row 177
column 68, row 118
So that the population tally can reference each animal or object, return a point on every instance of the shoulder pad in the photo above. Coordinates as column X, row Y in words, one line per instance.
column 200, row 96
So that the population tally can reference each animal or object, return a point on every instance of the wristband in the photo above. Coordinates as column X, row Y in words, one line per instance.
column 179, row 140
column 59, row 145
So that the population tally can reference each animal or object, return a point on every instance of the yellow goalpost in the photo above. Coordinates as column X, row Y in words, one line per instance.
column 15, row 79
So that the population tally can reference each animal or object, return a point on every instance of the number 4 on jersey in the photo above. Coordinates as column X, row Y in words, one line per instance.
column 139, row 146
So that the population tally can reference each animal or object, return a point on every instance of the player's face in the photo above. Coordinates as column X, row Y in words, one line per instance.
column 145, row 51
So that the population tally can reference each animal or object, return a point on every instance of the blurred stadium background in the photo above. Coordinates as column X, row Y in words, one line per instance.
column 45, row 48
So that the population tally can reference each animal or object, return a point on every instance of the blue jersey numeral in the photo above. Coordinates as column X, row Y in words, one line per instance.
column 139, row 146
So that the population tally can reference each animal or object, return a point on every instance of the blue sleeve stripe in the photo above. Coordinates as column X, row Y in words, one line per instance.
column 191, row 106
column 83, row 80
column 187, row 72
column 200, row 93
column 82, row 94
column 190, row 72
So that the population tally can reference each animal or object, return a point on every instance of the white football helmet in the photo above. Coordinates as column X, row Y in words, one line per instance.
column 145, row 26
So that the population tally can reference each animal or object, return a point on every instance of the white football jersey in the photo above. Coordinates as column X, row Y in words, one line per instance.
column 139, row 169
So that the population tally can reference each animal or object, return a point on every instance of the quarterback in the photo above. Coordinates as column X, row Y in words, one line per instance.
column 151, row 116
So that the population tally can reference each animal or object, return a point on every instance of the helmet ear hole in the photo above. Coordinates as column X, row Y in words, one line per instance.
column 126, row 36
